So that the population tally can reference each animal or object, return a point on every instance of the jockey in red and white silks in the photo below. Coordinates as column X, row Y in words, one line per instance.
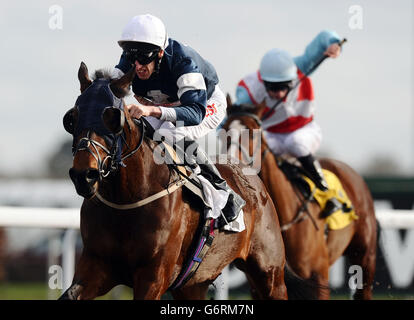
column 290, row 128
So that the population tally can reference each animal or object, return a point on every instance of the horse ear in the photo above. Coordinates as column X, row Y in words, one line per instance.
column 69, row 120
column 120, row 87
column 113, row 119
column 229, row 102
column 83, row 77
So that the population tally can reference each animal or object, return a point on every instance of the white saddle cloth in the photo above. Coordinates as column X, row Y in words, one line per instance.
column 217, row 200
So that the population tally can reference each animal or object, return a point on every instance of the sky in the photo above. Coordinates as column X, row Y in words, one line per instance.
column 364, row 98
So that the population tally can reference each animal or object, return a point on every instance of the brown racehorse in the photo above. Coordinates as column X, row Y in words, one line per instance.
column 145, row 247
column 309, row 251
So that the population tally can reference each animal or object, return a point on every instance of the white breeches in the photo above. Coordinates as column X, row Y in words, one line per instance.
column 298, row 143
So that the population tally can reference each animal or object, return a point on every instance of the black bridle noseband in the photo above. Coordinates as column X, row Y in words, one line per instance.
column 92, row 146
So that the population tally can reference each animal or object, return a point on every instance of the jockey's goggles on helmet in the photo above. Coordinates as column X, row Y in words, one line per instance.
column 278, row 86
column 143, row 58
column 143, row 53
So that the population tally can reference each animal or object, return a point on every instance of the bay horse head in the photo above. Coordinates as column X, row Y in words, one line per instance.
column 97, row 123
column 245, row 113
column 242, row 117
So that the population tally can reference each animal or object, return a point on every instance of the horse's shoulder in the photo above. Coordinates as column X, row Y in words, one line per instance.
column 237, row 179
column 337, row 166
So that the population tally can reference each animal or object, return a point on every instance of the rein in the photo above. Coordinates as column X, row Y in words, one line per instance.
column 170, row 189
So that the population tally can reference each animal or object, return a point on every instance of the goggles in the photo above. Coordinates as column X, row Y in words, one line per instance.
column 143, row 58
column 278, row 86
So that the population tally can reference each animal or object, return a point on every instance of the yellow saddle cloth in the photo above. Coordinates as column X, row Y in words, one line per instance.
column 339, row 219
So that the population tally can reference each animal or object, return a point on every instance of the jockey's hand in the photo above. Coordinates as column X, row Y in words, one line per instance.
column 333, row 50
column 137, row 111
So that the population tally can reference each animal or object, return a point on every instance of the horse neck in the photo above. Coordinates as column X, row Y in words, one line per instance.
column 279, row 187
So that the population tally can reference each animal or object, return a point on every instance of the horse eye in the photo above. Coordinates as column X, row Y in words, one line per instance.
column 69, row 120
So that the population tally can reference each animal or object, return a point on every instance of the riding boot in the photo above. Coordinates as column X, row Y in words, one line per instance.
column 314, row 170
column 234, row 203
column 331, row 206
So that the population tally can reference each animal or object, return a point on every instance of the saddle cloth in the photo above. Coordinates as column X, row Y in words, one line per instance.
column 297, row 176
column 342, row 217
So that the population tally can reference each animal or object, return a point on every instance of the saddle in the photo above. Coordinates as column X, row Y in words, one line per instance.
column 336, row 207
column 204, row 236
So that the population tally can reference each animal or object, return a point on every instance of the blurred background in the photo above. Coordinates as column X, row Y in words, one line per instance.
column 364, row 102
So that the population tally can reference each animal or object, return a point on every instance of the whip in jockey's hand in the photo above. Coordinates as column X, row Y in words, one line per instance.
column 333, row 51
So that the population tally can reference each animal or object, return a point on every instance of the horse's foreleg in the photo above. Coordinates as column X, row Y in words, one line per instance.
column 362, row 252
column 194, row 292
column 92, row 279
column 265, row 262
column 149, row 284
column 315, row 269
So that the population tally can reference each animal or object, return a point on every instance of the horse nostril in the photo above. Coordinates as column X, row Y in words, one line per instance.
column 92, row 175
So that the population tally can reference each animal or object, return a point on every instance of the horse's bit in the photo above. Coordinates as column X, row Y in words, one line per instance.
column 86, row 143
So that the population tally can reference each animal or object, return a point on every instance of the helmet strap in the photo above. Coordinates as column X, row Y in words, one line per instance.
column 157, row 65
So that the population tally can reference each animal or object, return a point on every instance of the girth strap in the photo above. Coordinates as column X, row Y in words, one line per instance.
column 191, row 266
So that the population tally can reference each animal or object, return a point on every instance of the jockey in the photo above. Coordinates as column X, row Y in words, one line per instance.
column 290, row 128
column 174, row 85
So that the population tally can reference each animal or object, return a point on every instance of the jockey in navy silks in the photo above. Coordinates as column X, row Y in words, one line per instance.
column 173, row 85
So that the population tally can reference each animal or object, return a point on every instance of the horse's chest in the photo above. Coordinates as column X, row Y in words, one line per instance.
column 128, row 238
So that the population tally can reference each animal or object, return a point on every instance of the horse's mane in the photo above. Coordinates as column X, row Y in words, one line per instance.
column 107, row 74
column 241, row 108
column 104, row 74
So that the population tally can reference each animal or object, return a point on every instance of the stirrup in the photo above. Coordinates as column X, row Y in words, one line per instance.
column 331, row 206
column 232, row 209
column 322, row 185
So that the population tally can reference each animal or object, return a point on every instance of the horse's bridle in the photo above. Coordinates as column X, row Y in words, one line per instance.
column 245, row 153
column 90, row 145
column 248, row 114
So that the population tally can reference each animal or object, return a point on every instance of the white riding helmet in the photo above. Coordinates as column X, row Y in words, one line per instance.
column 277, row 66
column 145, row 28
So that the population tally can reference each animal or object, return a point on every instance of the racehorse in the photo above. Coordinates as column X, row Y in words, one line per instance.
column 144, row 247
column 309, row 251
